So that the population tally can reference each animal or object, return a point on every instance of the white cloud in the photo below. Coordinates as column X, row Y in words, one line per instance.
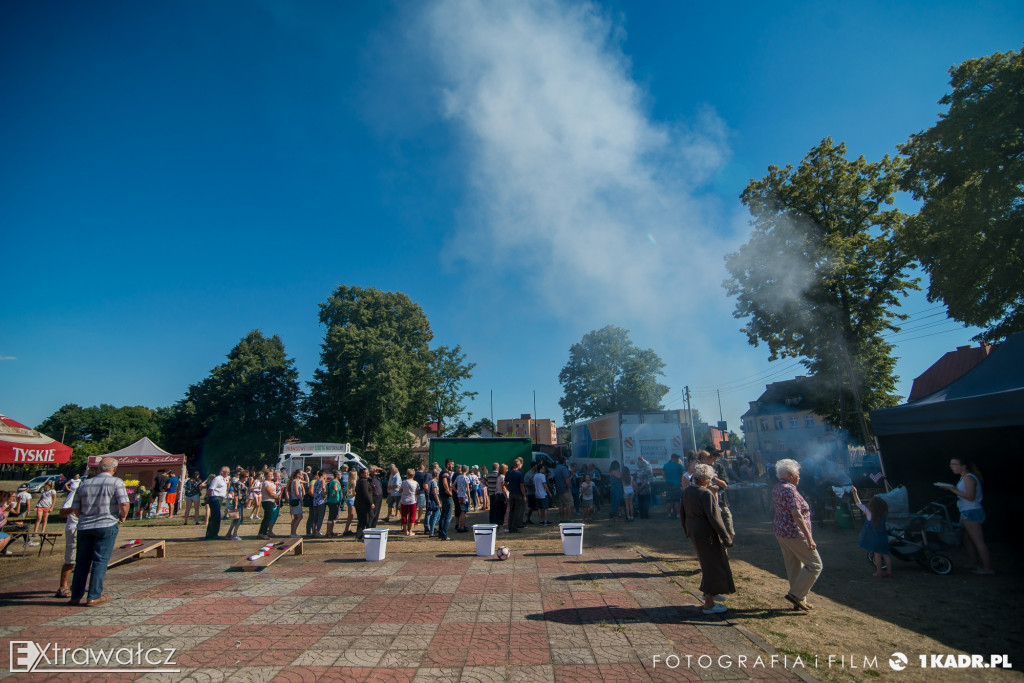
column 571, row 177
column 8, row 358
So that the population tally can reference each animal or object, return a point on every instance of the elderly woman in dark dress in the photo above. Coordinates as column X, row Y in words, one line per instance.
column 703, row 524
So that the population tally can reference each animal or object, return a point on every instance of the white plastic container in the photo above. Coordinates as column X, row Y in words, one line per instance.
column 572, row 538
column 485, row 535
column 376, row 542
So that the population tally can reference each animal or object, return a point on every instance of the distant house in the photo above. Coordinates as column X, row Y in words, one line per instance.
column 783, row 423
column 541, row 431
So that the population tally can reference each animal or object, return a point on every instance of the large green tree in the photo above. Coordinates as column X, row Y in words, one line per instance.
column 608, row 372
column 447, row 370
column 102, row 429
column 823, row 271
column 238, row 413
column 968, row 169
column 374, row 365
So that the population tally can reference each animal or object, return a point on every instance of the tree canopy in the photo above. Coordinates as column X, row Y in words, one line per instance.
column 447, row 369
column 239, row 412
column 606, row 372
column 968, row 170
column 822, row 272
column 374, row 365
column 97, row 430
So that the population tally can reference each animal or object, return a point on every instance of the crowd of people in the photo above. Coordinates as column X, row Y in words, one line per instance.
column 427, row 501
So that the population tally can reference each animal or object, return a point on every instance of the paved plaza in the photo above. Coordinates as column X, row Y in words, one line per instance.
column 609, row 615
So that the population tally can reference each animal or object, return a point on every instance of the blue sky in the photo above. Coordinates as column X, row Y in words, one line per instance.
column 174, row 175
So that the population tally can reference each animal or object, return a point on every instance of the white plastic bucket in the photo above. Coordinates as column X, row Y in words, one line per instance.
column 572, row 538
column 485, row 535
column 376, row 543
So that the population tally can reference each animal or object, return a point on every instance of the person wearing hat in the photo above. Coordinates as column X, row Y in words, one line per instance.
column 720, row 482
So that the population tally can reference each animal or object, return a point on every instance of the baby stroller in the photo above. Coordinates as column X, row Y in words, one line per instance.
column 922, row 538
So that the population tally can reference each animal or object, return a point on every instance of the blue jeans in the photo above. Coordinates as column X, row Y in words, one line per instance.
column 213, row 526
column 430, row 520
column 446, row 517
column 93, row 553
column 616, row 496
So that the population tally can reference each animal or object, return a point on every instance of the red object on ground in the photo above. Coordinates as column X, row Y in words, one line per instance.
column 20, row 445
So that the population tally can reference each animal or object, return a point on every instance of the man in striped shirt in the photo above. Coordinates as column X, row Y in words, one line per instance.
column 101, row 503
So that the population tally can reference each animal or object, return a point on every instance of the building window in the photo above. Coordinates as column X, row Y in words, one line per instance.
column 767, row 445
column 828, row 426
column 782, row 445
column 809, row 421
column 778, row 423
column 764, row 425
column 793, row 423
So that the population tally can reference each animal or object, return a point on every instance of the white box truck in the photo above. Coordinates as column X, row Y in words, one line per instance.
column 325, row 456
column 624, row 437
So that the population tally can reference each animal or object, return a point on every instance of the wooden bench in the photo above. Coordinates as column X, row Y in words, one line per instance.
column 121, row 555
column 45, row 537
column 246, row 565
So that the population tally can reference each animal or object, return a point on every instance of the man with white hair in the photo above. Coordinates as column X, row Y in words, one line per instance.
column 216, row 493
column 100, row 504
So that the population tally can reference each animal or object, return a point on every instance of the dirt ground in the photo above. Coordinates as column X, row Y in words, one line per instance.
column 856, row 616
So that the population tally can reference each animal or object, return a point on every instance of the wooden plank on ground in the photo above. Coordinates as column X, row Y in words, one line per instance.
column 246, row 565
column 121, row 555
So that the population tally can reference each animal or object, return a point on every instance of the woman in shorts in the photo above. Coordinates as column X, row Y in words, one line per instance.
column 350, row 499
column 296, row 490
column 44, row 507
column 972, row 514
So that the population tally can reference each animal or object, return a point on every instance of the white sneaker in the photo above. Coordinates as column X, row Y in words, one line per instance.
column 33, row 543
column 717, row 609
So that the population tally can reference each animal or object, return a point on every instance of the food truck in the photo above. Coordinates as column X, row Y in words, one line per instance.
column 319, row 456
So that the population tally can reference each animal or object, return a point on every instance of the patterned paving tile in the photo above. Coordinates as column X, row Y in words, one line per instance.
column 539, row 617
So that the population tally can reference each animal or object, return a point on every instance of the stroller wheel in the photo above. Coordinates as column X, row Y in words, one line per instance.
column 940, row 564
column 871, row 560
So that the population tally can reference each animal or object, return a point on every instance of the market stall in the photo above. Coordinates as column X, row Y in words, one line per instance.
column 138, row 464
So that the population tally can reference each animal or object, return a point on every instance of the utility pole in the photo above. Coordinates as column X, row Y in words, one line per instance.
column 689, row 414
column 720, row 416
column 492, row 411
column 536, row 427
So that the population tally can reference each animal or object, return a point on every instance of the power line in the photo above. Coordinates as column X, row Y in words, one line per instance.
column 933, row 334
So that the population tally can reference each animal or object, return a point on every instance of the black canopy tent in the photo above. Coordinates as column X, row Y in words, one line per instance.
column 981, row 416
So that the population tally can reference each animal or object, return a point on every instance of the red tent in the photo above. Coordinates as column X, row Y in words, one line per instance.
column 20, row 445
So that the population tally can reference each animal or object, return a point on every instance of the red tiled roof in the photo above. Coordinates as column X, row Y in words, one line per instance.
column 948, row 369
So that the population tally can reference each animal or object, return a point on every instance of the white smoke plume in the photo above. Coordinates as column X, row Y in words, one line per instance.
column 571, row 176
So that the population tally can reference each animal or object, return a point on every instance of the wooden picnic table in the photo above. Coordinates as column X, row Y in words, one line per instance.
column 45, row 537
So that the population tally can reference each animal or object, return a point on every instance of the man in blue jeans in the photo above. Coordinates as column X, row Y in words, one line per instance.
column 101, row 503
column 216, row 492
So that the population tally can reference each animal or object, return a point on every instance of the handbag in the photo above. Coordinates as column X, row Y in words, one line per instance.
column 233, row 514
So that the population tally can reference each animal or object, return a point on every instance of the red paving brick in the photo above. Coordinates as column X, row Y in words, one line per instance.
column 455, row 617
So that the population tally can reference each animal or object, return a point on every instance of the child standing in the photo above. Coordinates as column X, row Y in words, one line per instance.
column 874, row 537
column 587, row 497
column 44, row 506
